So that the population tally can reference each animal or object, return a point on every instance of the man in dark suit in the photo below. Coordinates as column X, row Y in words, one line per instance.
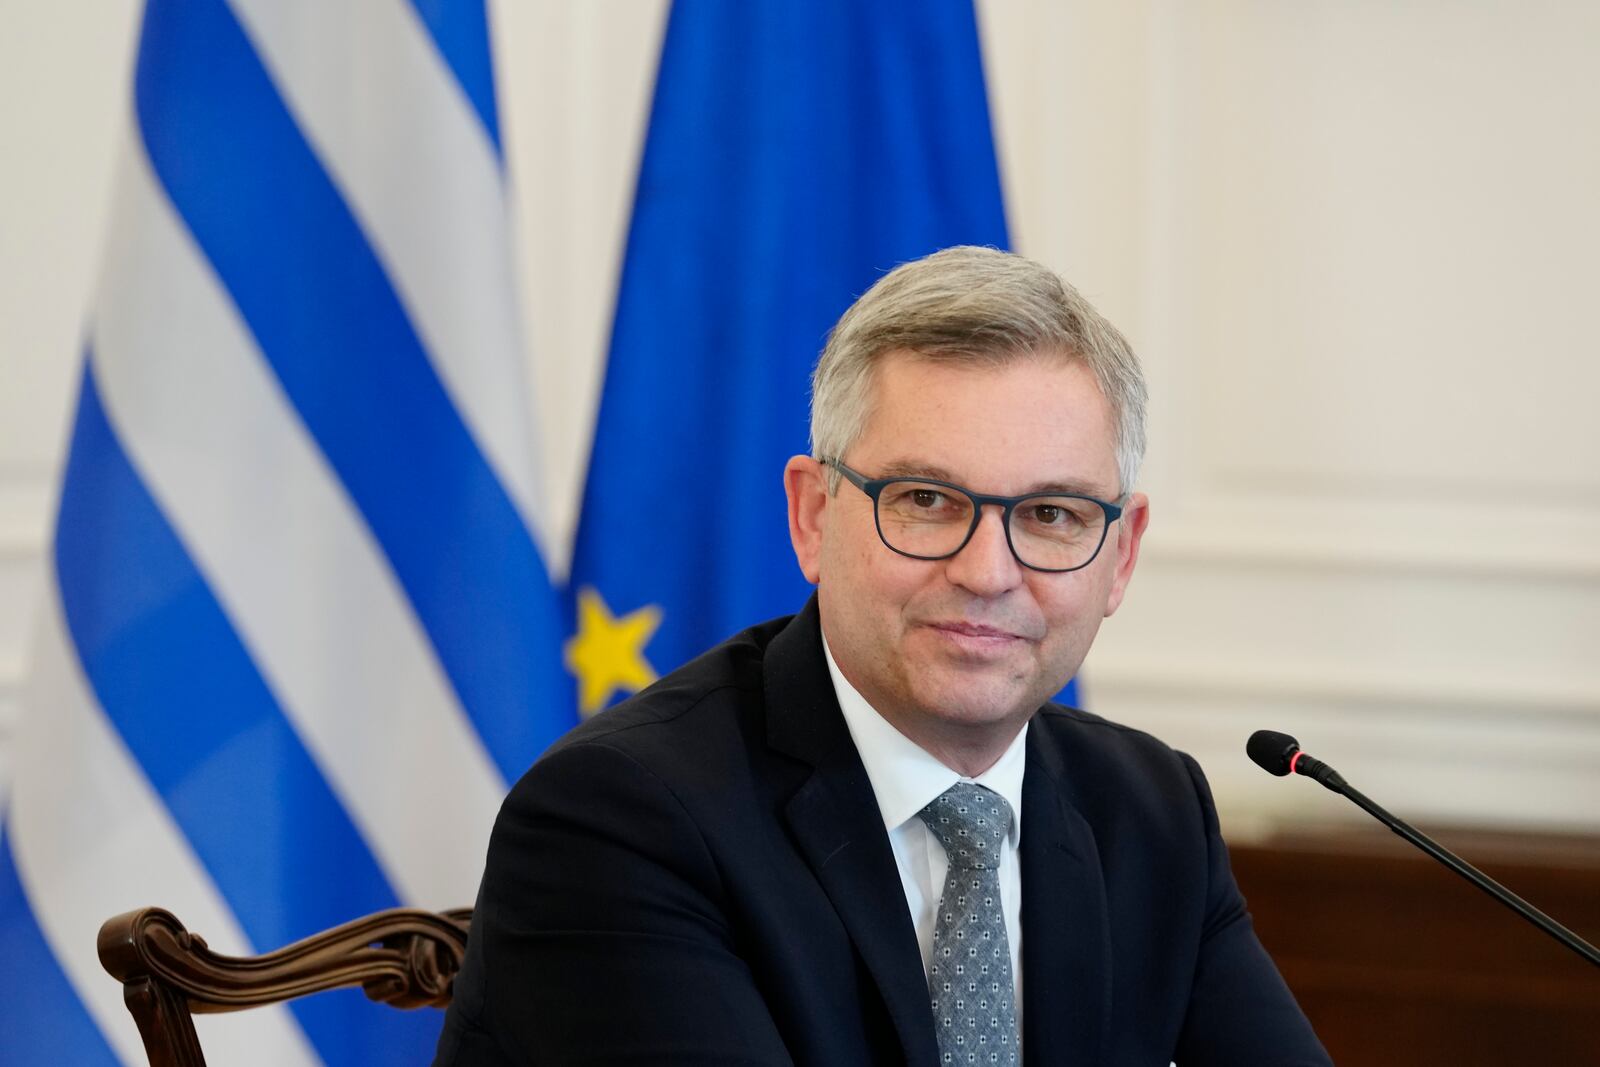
column 861, row 835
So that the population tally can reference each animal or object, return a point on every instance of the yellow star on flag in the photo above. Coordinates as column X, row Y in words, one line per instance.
column 607, row 653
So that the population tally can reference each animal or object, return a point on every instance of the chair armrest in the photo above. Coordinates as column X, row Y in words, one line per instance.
column 405, row 957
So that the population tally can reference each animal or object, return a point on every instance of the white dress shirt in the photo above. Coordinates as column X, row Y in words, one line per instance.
column 906, row 779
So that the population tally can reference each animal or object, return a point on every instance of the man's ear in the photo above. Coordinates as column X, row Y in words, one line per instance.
column 1129, row 532
column 805, row 483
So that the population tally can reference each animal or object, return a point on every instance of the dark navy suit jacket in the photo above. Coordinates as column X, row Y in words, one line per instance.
column 701, row 875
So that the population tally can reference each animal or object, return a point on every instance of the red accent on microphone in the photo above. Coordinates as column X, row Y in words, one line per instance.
column 1295, row 759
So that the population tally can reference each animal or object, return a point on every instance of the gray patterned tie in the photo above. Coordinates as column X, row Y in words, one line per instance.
column 970, row 977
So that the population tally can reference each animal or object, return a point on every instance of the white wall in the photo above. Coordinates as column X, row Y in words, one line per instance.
column 1353, row 242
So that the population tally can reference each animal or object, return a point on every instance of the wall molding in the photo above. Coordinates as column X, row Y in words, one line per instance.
column 1428, row 766
column 1458, row 491
column 1362, row 690
column 1236, row 544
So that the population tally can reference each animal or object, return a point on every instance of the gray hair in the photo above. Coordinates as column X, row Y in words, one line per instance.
column 977, row 307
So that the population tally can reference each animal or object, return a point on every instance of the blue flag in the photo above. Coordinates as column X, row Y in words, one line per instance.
column 298, row 632
column 796, row 153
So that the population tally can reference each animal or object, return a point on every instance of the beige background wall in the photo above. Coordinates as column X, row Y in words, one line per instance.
column 1355, row 244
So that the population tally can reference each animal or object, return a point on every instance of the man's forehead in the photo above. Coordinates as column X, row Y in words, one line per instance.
column 1010, row 380
column 1035, row 423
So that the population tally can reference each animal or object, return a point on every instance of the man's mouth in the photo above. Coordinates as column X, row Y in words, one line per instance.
column 967, row 629
column 975, row 639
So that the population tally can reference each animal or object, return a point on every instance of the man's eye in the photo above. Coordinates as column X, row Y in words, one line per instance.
column 1056, row 515
column 922, row 503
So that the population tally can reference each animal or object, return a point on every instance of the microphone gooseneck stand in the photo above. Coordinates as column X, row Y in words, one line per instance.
column 1281, row 755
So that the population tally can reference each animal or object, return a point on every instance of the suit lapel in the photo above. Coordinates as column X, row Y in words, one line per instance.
column 1066, row 937
column 835, row 819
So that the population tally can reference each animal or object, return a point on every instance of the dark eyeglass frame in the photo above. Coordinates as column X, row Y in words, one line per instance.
column 874, row 488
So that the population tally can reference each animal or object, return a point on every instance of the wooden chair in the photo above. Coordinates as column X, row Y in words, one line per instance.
column 405, row 957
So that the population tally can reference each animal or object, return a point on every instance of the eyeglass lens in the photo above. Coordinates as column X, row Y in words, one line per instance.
column 1048, row 532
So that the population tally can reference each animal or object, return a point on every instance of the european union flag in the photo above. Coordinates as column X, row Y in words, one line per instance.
column 796, row 152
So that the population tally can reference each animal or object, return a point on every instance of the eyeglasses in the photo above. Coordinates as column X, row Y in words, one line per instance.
column 928, row 519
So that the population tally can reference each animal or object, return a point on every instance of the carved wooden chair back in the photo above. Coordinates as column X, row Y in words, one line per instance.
column 405, row 957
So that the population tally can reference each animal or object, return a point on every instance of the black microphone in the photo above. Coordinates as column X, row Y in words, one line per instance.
column 1281, row 755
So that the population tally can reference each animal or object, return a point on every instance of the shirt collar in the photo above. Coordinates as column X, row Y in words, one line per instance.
column 905, row 777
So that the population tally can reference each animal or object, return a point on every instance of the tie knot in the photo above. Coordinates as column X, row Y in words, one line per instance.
column 970, row 821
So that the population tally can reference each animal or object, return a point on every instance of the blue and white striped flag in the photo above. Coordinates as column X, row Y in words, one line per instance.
column 298, row 634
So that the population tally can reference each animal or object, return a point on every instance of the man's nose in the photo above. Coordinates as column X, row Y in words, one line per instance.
column 986, row 566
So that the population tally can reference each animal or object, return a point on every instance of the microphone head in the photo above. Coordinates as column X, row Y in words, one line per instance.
column 1272, row 751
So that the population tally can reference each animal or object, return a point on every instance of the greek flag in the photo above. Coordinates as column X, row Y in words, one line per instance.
column 299, row 633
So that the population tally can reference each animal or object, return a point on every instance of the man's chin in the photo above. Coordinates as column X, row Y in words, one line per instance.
column 967, row 697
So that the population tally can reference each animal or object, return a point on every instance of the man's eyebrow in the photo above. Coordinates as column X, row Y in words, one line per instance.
column 1098, row 492
column 909, row 468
